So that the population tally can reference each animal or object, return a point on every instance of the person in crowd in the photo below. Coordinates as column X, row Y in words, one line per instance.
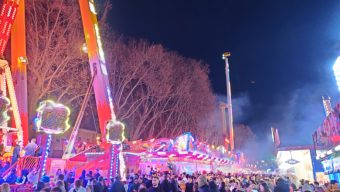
column 174, row 184
column 189, row 185
column 148, row 181
column 263, row 187
column 78, row 187
column 16, row 152
column 97, row 174
column 56, row 189
column 97, row 186
column 181, row 184
column 155, row 185
column 61, row 178
column 165, row 184
column 5, row 187
column 83, row 176
column 57, row 174
column 212, row 185
column 33, row 177
column 134, row 186
column 117, row 185
column 60, row 185
column 281, row 186
column 203, row 185
column 46, row 180
column 70, row 177
column 31, row 147
column 23, row 179
column 88, row 180
column 222, row 187
column 40, row 186
column 130, row 183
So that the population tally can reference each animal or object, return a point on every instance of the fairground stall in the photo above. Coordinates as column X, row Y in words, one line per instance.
column 183, row 154
column 327, row 143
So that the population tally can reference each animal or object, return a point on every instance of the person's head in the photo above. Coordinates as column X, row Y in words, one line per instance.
column 155, row 181
column 33, row 140
column 88, row 177
column 5, row 187
column 117, row 178
column 189, row 179
column 78, row 183
column 263, row 187
column 59, row 171
column 135, row 180
column 222, row 184
column 142, row 190
column 61, row 177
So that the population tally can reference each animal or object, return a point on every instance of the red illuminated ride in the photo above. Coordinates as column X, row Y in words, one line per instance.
column 12, row 22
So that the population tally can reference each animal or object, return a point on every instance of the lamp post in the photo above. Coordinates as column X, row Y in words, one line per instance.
column 229, row 105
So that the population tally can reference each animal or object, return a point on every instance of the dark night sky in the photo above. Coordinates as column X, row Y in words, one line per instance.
column 287, row 47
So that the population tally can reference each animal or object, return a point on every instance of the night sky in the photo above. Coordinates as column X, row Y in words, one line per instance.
column 286, row 47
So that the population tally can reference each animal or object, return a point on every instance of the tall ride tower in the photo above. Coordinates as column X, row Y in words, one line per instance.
column 229, row 105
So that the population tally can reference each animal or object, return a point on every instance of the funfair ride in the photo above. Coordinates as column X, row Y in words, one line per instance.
column 8, row 14
column 13, row 14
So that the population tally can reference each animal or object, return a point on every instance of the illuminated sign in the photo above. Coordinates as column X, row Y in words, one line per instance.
column 53, row 118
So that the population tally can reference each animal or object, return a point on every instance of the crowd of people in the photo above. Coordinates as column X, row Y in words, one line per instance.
column 166, row 182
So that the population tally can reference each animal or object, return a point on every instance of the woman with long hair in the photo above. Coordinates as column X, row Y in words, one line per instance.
column 263, row 187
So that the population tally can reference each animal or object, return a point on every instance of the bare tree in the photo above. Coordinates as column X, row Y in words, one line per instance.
column 156, row 92
column 57, row 68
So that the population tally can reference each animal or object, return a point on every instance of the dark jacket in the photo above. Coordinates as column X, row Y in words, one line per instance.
column 117, row 186
column 174, row 186
column 189, row 187
column 213, row 187
column 204, row 188
column 166, row 186
column 133, row 186
column 155, row 189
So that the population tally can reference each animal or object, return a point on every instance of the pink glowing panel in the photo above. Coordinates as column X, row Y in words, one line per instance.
column 115, row 132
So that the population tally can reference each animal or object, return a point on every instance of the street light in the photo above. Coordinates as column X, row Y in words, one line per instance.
column 336, row 69
column 229, row 104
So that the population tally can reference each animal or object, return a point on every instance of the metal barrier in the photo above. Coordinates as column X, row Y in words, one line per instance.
column 28, row 163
